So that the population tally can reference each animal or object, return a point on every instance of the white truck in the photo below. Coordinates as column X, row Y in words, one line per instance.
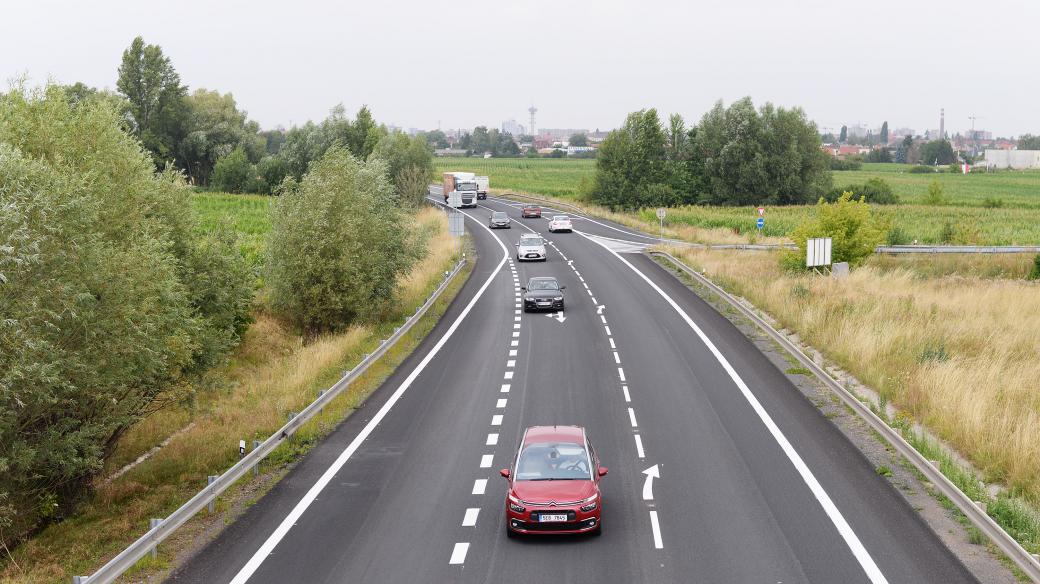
column 462, row 183
column 482, row 187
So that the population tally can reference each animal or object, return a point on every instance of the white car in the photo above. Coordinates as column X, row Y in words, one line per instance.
column 531, row 248
column 560, row 223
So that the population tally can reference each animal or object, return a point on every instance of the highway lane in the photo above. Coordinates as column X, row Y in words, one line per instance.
column 418, row 501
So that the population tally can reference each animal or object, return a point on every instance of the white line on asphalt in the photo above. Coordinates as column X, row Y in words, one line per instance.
column 512, row 352
column 501, row 403
column 832, row 511
column 479, row 486
column 624, row 389
column 639, row 446
column 608, row 330
column 485, row 461
column 603, row 319
column 496, row 420
column 590, row 294
column 511, row 363
column 632, row 417
column 470, row 518
column 517, row 311
column 290, row 520
column 586, row 285
column 517, row 318
column 655, row 525
column 617, row 359
column 517, row 305
column 514, row 343
column 516, row 325
column 458, row 555
column 516, row 334
column 594, row 300
column 612, row 346
column 492, row 440
column 621, row 374
column 509, row 375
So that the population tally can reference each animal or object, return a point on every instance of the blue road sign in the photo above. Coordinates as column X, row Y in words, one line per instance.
column 761, row 222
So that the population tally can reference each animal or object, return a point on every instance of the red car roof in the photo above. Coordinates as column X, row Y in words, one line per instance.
column 537, row 434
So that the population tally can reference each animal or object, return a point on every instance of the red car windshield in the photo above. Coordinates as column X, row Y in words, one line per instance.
column 554, row 462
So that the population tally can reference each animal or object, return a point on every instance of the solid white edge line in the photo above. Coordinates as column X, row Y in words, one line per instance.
column 655, row 525
column 832, row 511
column 480, row 486
column 458, row 554
column 639, row 446
column 283, row 528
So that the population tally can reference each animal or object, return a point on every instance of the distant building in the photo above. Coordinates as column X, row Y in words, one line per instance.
column 572, row 150
column 449, row 152
column 843, row 150
column 901, row 132
column 560, row 133
column 597, row 136
column 510, row 126
column 1017, row 159
column 857, row 131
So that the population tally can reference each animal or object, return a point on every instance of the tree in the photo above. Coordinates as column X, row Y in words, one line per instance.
column 233, row 173
column 362, row 134
column 880, row 154
column 843, row 136
column 325, row 279
column 884, row 134
column 631, row 161
column 749, row 157
column 110, row 297
column 215, row 127
column 409, row 165
column 855, row 233
column 676, row 137
column 578, row 140
column 436, row 138
column 480, row 140
column 155, row 95
column 1029, row 142
column 904, row 149
column 938, row 153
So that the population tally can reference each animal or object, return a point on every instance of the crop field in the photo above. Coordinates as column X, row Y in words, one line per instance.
column 557, row 177
column 248, row 215
column 1016, row 222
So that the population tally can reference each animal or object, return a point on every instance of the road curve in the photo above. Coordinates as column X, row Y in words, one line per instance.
column 755, row 485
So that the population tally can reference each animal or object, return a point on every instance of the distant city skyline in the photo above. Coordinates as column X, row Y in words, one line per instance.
column 579, row 67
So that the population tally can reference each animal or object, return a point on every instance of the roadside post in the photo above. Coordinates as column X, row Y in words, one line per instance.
column 661, row 212
column 152, row 524
column 456, row 225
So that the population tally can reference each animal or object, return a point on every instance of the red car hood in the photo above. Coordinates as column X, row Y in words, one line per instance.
column 559, row 491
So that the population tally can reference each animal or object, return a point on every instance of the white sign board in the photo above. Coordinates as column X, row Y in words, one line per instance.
column 455, row 199
column 456, row 223
column 818, row 252
column 661, row 213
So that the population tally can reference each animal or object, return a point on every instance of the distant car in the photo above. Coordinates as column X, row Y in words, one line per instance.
column 531, row 247
column 543, row 293
column 554, row 483
column 499, row 220
column 560, row 223
column 531, row 212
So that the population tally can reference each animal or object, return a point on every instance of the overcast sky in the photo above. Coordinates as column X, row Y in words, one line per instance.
column 584, row 64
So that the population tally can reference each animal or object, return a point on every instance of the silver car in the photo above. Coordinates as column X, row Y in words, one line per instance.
column 531, row 247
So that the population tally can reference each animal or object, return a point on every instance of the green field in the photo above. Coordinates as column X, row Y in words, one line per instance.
column 248, row 215
column 1016, row 223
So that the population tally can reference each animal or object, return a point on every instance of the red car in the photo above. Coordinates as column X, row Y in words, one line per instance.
column 530, row 211
column 554, row 483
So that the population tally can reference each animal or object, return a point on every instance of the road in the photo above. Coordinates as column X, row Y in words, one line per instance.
column 755, row 485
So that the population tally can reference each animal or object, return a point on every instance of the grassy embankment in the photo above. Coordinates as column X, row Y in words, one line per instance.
column 1017, row 222
column 269, row 375
column 958, row 354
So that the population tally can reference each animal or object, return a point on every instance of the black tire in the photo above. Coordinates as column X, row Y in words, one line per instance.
column 561, row 307
column 597, row 532
column 510, row 533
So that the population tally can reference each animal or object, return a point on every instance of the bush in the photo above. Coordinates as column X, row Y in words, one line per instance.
column 936, row 195
column 1035, row 274
column 233, row 173
column 338, row 244
column 854, row 231
column 896, row 236
column 992, row 203
column 921, row 169
column 109, row 298
column 850, row 163
column 954, row 168
column 947, row 234
column 875, row 191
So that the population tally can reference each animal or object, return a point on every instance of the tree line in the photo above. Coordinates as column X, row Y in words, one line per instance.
column 736, row 155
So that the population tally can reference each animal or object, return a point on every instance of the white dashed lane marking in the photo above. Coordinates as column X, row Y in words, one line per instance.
column 485, row 461
column 496, row 420
column 492, row 440
column 639, row 447
column 632, row 417
column 624, row 389
column 501, row 403
column 458, row 555
column 621, row 373
column 505, row 388
column 470, row 519
column 479, row 486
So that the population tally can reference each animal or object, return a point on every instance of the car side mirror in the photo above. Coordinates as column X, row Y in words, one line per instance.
column 504, row 472
column 523, row 287
column 517, row 244
column 563, row 287
column 602, row 471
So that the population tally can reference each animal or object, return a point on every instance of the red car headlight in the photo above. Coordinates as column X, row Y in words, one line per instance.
column 515, row 506
column 590, row 504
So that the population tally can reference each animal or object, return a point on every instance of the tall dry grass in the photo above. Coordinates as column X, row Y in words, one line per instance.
column 270, row 374
column 960, row 354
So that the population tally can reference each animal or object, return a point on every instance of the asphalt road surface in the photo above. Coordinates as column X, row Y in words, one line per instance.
column 755, row 485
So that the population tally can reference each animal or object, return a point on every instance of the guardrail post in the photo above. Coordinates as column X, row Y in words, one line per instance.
column 256, row 467
column 152, row 524
column 79, row 579
column 321, row 411
column 213, row 501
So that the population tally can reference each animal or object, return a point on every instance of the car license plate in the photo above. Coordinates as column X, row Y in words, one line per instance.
column 544, row 302
column 532, row 255
column 552, row 517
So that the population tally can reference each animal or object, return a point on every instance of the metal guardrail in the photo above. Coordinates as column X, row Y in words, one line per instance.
column 892, row 249
column 1027, row 562
column 164, row 528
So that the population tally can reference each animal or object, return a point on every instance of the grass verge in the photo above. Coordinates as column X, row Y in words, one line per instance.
column 271, row 374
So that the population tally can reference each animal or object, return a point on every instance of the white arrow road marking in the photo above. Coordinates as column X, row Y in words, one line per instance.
column 599, row 309
column 654, row 472
column 557, row 315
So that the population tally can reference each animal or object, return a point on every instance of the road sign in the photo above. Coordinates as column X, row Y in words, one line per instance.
column 661, row 213
column 761, row 222
column 761, row 211
column 818, row 252
column 456, row 223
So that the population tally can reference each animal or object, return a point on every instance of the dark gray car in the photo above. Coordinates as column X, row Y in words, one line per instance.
column 499, row 220
column 543, row 293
